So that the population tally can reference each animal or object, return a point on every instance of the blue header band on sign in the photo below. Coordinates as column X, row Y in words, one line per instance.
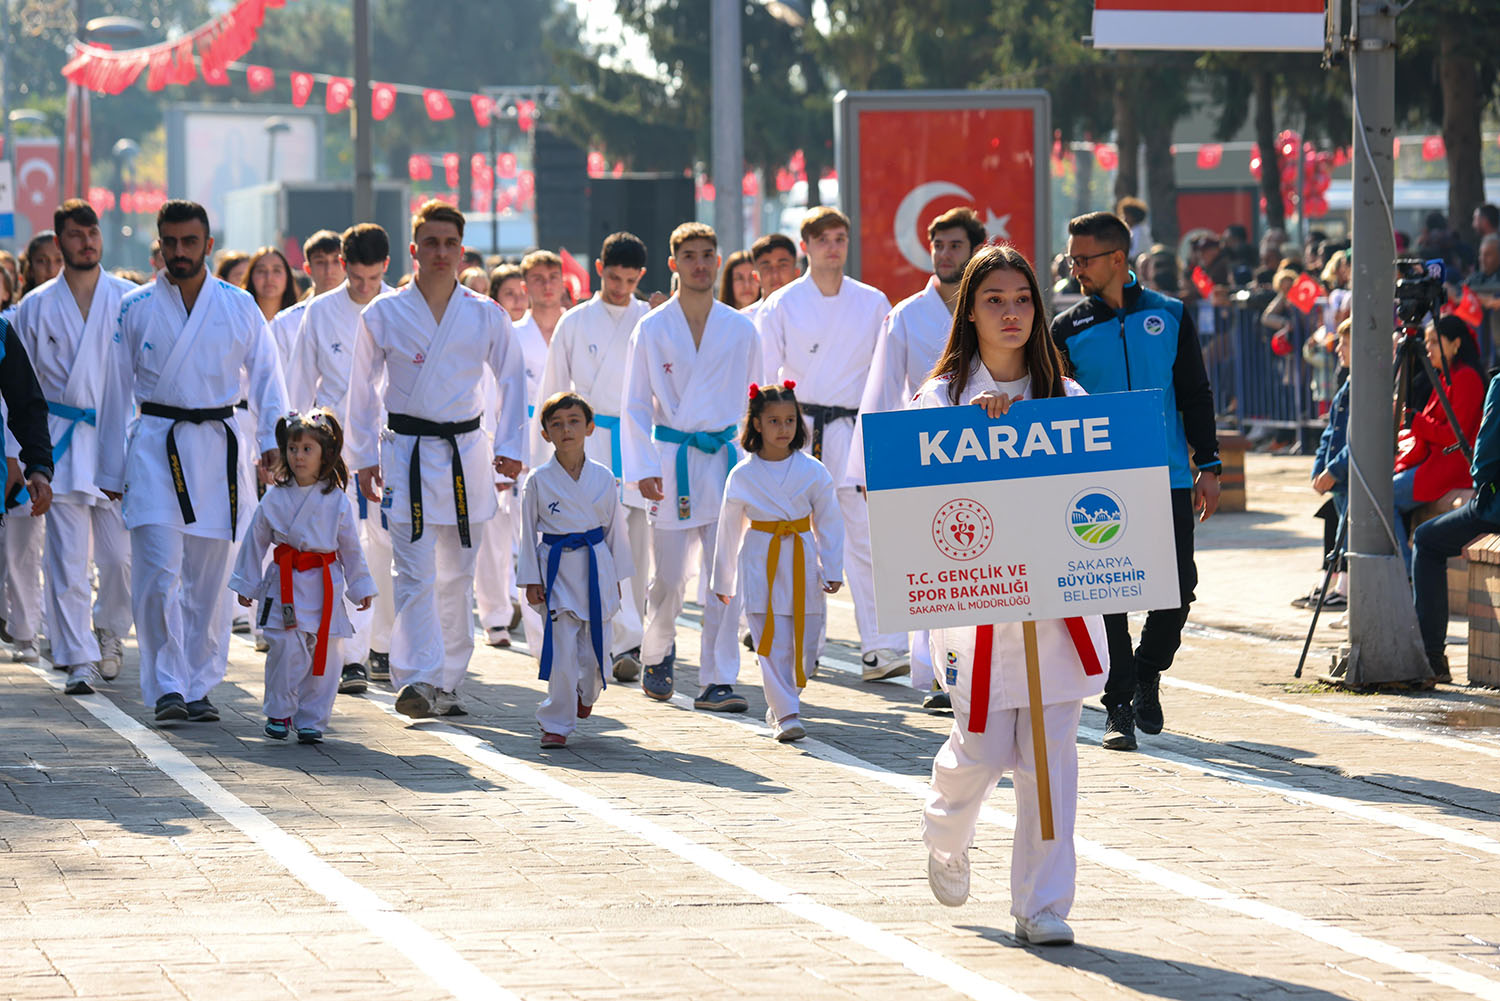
column 1054, row 437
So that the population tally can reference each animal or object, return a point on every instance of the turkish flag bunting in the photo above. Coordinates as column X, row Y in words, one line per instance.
column 184, row 68
column 259, row 78
column 1304, row 293
column 1203, row 283
column 1210, row 155
column 302, row 88
column 161, row 69
column 419, row 168
column 575, row 274
column 337, row 98
column 383, row 102
column 1469, row 310
column 215, row 76
column 438, row 106
column 450, row 169
column 483, row 107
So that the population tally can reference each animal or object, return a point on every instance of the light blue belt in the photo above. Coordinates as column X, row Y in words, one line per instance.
column 704, row 441
column 613, row 424
column 73, row 415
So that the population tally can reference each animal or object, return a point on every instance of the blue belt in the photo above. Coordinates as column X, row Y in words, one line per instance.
column 574, row 540
column 612, row 424
column 73, row 415
column 704, row 441
column 364, row 508
column 530, row 410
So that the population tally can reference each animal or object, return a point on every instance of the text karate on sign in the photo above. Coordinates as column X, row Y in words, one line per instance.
column 1060, row 508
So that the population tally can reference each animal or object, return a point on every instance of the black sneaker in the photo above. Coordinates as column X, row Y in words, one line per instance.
column 354, row 681
column 170, row 707
column 1439, row 665
column 1120, row 734
column 380, row 666
column 937, row 699
column 657, row 681
column 202, row 711
column 720, row 699
column 1147, row 702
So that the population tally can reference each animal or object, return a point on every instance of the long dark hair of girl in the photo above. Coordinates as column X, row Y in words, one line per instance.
column 288, row 291
column 323, row 427
column 1451, row 328
column 751, row 440
column 1043, row 360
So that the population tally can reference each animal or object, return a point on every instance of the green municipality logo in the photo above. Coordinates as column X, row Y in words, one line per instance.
column 1097, row 518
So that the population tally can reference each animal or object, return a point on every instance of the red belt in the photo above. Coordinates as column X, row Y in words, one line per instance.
column 289, row 560
column 984, row 637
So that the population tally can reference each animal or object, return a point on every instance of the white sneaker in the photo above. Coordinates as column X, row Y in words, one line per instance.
column 949, row 880
column 497, row 636
column 886, row 664
column 25, row 652
column 111, row 654
column 786, row 730
column 447, row 703
column 1342, row 622
column 1045, row 928
column 262, row 645
column 81, row 680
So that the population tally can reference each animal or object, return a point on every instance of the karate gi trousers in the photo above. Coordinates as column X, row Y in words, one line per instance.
column 23, row 572
column 77, row 533
column 181, row 623
column 672, row 552
column 432, row 634
column 777, row 672
column 575, row 674
column 292, row 690
column 372, row 627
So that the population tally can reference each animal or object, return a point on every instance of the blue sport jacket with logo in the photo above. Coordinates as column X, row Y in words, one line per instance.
column 1150, row 343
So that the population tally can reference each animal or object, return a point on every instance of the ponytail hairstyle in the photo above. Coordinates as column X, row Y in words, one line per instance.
column 322, row 426
column 750, row 438
column 1043, row 360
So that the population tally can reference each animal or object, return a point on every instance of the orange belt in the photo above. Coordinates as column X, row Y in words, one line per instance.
column 984, row 638
column 778, row 529
column 289, row 560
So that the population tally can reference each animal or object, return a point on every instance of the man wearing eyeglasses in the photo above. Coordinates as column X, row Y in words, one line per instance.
column 1125, row 337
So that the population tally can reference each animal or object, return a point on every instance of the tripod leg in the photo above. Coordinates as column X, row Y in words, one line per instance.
column 1338, row 549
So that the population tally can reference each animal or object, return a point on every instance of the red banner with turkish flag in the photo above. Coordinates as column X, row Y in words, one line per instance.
column 575, row 274
column 984, row 150
column 382, row 101
column 1304, row 293
column 340, row 89
column 302, row 88
column 1203, row 283
column 438, row 105
column 1469, row 309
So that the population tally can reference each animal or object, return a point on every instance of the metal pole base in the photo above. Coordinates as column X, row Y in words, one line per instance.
column 1387, row 647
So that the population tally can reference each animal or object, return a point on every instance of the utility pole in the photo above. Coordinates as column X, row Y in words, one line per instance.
column 728, row 107
column 1384, row 645
column 364, row 171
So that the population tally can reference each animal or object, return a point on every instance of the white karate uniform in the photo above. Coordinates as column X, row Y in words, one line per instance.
column 69, row 356
column 780, row 491
column 285, row 327
column 588, row 355
column 162, row 353
column 310, row 521
column 967, row 767
column 553, row 503
column 317, row 375
column 433, row 371
column 673, row 384
column 826, row 344
column 912, row 338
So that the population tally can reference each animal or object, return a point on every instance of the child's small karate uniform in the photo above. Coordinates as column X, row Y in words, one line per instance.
column 316, row 536
column 983, row 669
column 781, row 503
column 575, row 544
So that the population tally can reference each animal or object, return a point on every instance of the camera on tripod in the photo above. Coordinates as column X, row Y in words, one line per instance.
column 1419, row 291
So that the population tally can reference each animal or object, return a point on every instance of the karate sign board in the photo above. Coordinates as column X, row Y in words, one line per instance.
column 1060, row 508
column 906, row 157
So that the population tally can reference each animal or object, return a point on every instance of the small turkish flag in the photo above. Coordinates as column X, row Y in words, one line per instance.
column 1304, row 293
column 1106, row 156
column 419, row 168
column 337, row 98
column 215, row 76
column 1468, row 309
column 302, row 88
column 1203, row 283
column 1433, row 148
column 525, row 115
column 259, row 78
column 450, row 169
column 438, row 106
column 505, row 164
column 1210, row 155
column 382, row 102
column 483, row 107
column 575, row 274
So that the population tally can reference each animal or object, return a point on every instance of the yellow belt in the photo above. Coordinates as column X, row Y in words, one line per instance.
column 778, row 529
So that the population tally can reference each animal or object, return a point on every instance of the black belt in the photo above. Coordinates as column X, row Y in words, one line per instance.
column 821, row 416
column 200, row 415
column 449, row 432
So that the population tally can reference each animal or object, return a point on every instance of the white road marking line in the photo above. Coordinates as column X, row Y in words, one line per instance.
column 885, row 944
column 430, row 954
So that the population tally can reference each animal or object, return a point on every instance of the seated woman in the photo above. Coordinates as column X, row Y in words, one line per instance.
column 1425, row 468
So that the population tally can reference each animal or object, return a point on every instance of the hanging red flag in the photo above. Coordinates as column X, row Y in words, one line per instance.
column 1210, row 155
column 1203, row 283
column 1468, row 309
column 596, row 164
column 383, row 102
column 483, row 107
column 1106, row 156
column 1433, row 148
column 750, row 185
column 259, row 78
column 302, row 88
column 184, row 67
column 575, row 274
column 1304, row 293
column 336, row 99
column 438, row 106
column 526, row 115
column 419, row 167
column 215, row 76
column 450, row 169
column 505, row 163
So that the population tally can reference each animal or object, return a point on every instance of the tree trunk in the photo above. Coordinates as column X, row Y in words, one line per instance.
column 1161, row 182
column 1127, row 137
column 1458, row 76
column 1270, row 157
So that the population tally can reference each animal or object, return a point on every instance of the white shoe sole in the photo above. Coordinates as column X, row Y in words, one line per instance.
column 895, row 669
column 1044, row 938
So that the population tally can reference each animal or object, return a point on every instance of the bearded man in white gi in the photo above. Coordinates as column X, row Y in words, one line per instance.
column 66, row 327
column 429, row 343
column 317, row 375
column 181, row 347
column 820, row 331
column 587, row 356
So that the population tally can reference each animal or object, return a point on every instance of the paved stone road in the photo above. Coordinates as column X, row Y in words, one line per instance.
column 1279, row 841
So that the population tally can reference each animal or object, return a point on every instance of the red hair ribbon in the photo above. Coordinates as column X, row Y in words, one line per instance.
column 789, row 384
column 754, row 391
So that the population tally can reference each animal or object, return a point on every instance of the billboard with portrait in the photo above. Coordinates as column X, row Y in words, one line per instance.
column 215, row 149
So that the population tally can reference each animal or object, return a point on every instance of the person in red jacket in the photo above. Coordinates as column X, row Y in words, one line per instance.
column 1425, row 467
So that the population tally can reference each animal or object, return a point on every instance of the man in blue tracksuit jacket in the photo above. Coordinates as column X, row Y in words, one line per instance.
column 1125, row 337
